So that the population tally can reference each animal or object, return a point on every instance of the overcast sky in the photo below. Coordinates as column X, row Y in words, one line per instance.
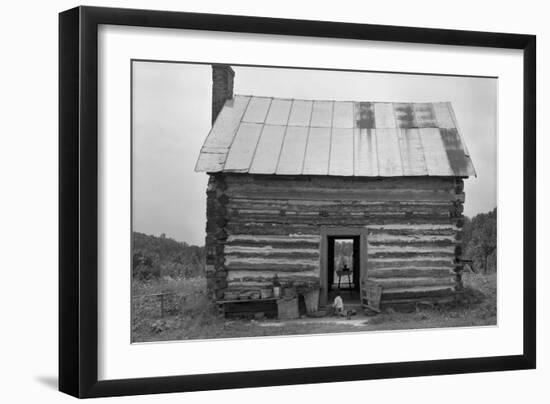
column 172, row 107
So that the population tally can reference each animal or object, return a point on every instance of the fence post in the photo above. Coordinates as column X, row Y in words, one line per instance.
column 162, row 305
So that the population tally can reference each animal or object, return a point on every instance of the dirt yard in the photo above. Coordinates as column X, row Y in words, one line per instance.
column 193, row 317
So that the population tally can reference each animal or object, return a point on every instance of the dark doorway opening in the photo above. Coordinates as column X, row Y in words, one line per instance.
column 343, row 266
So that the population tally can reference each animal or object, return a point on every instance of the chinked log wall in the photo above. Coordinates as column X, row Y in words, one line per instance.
column 260, row 225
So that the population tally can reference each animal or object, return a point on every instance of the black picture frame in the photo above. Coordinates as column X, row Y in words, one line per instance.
column 78, row 203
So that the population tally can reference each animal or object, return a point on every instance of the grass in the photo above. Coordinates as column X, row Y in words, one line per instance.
column 189, row 314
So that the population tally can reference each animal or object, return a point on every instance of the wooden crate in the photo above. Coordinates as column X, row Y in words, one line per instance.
column 288, row 308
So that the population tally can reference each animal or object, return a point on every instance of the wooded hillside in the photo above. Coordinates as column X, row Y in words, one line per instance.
column 155, row 257
column 480, row 241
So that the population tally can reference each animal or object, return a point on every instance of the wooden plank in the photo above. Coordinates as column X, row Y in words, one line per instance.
column 404, row 115
column 435, row 154
column 257, row 110
column 412, row 152
column 293, row 150
column 424, row 115
column 321, row 116
column 279, row 112
column 243, row 147
column 343, row 114
column 341, row 152
column 300, row 113
column 316, row 160
column 267, row 152
column 365, row 152
column 384, row 116
column 443, row 115
column 389, row 155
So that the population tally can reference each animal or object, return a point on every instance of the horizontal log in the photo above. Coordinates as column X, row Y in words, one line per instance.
column 426, row 262
column 271, row 266
column 274, row 244
column 289, row 207
column 267, row 276
column 362, row 217
column 424, row 249
column 378, row 238
column 418, row 232
column 263, row 239
column 409, row 272
column 267, row 249
column 393, row 283
column 300, row 204
column 411, row 255
column 344, row 183
column 282, row 254
column 337, row 194
column 407, row 226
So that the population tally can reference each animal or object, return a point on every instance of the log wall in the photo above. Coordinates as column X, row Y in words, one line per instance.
column 261, row 225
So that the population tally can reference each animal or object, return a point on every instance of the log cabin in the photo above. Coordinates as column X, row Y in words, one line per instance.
column 288, row 178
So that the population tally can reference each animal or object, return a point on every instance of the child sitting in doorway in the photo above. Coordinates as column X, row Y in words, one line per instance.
column 338, row 305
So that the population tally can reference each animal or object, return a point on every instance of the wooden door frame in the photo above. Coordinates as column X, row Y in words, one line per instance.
column 327, row 232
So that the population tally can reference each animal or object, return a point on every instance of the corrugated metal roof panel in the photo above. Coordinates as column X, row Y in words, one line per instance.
column 267, row 152
column 384, row 116
column 215, row 148
column 321, row 116
column 389, row 154
column 300, row 114
column 243, row 147
column 412, row 152
column 443, row 115
column 317, row 151
column 264, row 135
column 291, row 159
column 279, row 111
column 341, row 152
column 424, row 115
column 404, row 115
column 435, row 154
column 257, row 110
column 343, row 115
column 365, row 153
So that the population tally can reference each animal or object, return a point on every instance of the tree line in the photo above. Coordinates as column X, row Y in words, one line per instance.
column 156, row 257
column 480, row 241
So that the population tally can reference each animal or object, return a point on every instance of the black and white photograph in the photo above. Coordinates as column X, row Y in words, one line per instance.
column 271, row 201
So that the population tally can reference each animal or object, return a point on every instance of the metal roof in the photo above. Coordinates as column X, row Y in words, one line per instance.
column 263, row 135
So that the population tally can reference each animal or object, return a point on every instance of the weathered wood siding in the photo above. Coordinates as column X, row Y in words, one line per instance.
column 262, row 225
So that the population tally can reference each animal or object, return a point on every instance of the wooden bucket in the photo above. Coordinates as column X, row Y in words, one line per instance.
column 311, row 300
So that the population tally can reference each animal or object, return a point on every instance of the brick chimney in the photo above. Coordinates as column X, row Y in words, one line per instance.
column 222, row 87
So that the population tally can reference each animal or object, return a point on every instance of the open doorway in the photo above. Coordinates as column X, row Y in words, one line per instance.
column 343, row 267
